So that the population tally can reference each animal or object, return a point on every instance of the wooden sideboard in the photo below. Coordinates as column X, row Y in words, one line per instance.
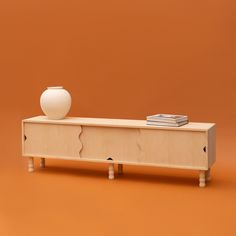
column 120, row 141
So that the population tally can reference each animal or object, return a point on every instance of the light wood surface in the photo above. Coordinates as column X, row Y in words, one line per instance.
column 146, row 146
column 111, row 171
column 208, row 175
column 211, row 136
column 126, row 123
column 30, row 164
column 202, row 179
column 120, row 141
column 94, row 160
column 52, row 140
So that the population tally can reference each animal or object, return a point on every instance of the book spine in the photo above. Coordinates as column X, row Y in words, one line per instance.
column 167, row 121
column 166, row 124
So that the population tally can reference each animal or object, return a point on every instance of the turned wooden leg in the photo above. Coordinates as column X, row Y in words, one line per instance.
column 31, row 164
column 120, row 169
column 202, row 179
column 208, row 174
column 42, row 162
column 111, row 171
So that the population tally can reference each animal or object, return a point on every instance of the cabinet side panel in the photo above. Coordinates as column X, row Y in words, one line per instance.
column 52, row 140
column 212, row 146
column 22, row 139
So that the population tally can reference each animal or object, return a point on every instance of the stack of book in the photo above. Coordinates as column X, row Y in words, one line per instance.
column 167, row 120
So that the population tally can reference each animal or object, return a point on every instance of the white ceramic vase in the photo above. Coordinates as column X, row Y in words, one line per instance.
column 55, row 102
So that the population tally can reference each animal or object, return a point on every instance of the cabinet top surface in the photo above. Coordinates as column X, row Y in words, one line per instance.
column 191, row 126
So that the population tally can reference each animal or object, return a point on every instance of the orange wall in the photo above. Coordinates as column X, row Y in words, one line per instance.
column 121, row 58
column 127, row 59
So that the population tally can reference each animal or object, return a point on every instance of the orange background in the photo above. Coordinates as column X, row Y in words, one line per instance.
column 119, row 59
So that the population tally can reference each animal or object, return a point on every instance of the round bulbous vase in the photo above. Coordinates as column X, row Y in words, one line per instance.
column 55, row 102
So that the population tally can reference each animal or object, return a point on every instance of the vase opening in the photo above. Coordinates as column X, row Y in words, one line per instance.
column 55, row 87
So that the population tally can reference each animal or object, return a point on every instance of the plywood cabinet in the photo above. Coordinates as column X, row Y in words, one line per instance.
column 116, row 141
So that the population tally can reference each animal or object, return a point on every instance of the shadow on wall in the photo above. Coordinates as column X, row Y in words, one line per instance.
column 129, row 176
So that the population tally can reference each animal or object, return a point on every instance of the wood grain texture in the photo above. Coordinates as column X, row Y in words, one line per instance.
column 125, row 123
column 79, row 140
column 104, row 142
column 162, row 147
column 52, row 140
column 111, row 171
column 30, row 164
column 202, row 179
column 211, row 136
column 208, row 175
column 183, row 148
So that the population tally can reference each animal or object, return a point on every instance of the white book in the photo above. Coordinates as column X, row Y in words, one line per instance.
column 167, row 118
column 155, row 123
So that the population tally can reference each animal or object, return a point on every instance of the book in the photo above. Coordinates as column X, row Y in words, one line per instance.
column 167, row 118
column 157, row 123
